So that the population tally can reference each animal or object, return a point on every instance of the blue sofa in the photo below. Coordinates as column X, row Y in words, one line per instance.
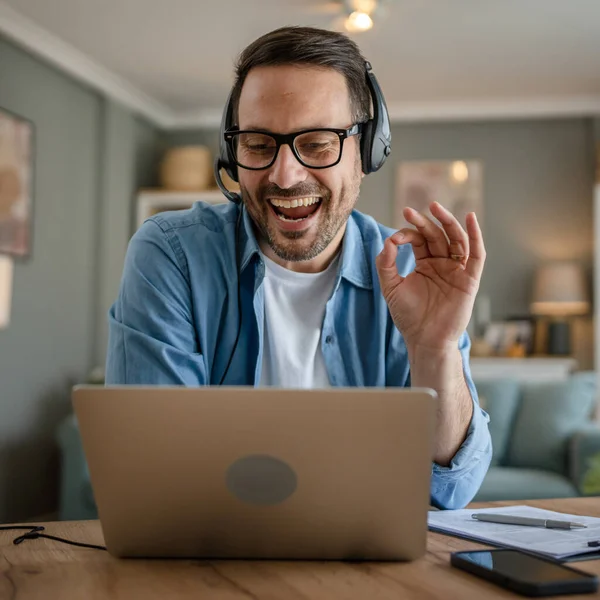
column 545, row 442
column 545, row 445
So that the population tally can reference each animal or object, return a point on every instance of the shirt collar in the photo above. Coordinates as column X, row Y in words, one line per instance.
column 247, row 240
column 354, row 266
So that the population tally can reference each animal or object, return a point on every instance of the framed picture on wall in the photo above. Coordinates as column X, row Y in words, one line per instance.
column 16, row 184
column 457, row 185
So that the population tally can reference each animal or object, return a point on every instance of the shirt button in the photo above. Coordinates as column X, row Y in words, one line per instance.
column 328, row 339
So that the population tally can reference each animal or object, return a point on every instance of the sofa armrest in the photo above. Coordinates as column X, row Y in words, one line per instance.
column 584, row 460
column 76, row 496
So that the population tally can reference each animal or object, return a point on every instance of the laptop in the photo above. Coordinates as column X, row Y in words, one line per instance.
column 260, row 473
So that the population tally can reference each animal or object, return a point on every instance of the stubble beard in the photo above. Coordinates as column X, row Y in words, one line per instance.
column 294, row 246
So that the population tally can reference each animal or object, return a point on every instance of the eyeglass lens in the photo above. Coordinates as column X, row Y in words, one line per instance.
column 315, row 148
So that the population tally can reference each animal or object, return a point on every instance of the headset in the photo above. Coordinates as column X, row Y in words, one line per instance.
column 375, row 147
column 375, row 141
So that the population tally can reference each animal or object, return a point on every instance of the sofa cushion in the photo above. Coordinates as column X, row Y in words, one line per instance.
column 500, row 399
column 584, row 459
column 548, row 415
column 510, row 483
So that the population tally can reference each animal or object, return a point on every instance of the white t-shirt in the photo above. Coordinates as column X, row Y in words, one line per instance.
column 294, row 312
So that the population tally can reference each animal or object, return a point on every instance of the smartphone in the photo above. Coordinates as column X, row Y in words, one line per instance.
column 524, row 573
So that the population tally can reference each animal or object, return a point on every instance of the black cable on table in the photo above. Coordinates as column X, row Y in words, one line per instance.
column 34, row 532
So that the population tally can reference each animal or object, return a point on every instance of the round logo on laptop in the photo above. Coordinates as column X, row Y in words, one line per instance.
column 261, row 479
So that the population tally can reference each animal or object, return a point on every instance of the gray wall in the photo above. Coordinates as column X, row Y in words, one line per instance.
column 538, row 187
column 538, row 178
column 85, row 147
column 130, row 152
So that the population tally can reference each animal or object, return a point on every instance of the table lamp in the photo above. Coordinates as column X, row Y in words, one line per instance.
column 560, row 292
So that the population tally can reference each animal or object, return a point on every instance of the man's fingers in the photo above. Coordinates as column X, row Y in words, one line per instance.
column 386, row 261
column 387, row 257
column 435, row 236
column 477, row 256
column 457, row 236
column 417, row 241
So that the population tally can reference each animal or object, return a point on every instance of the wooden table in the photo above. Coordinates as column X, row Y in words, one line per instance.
column 44, row 569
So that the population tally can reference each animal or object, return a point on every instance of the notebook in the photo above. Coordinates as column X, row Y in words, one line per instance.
column 556, row 544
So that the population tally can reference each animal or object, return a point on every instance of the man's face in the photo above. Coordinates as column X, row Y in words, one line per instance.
column 287, row 99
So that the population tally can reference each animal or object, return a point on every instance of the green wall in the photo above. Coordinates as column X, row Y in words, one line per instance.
column 90, row 157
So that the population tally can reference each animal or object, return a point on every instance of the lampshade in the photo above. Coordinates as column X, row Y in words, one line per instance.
column 560, row 290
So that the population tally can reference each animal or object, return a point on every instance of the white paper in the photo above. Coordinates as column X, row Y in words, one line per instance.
column 557, row 543
column 6, row 279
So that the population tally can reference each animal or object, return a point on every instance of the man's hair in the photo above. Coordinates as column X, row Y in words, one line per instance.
column 307, row 46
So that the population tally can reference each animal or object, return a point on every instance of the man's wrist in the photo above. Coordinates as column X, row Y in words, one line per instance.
column 443, row 371
column 440, row 368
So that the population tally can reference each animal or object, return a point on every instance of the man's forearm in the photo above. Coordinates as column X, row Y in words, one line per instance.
column 443, row 371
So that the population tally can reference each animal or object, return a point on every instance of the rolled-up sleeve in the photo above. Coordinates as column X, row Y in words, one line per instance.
column 454, row 486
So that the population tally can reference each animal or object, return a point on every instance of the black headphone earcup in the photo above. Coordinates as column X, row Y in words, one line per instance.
column 229, row 166
column 366, row 138
column 374, row 147
column 225, row 160
column 376, row 141
column 379, row 151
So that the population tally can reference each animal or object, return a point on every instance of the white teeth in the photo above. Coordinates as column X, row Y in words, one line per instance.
column 291, row 220
column 294, row 203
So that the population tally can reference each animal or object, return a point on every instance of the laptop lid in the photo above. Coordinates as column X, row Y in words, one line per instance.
column 234, row 472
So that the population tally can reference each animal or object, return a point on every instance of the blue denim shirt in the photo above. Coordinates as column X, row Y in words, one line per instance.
column 176, row 319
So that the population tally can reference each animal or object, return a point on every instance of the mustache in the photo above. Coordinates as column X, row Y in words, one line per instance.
column 301, row 190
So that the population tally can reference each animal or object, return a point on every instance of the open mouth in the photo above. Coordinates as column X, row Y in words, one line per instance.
column 296, row 210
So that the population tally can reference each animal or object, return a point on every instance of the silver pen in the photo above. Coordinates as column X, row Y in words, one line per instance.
column 528, row 521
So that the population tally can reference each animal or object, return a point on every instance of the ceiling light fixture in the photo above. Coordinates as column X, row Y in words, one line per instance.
column 358, row 21
column 359, row 14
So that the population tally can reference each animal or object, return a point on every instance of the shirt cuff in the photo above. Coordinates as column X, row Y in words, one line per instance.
column 476, row 448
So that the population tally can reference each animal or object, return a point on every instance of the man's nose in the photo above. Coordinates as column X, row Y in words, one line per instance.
column 286, row 171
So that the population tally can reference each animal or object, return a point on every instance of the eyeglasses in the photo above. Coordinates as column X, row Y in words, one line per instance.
column 314, row 148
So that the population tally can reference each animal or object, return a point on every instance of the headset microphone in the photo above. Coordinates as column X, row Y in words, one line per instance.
column 232, row 196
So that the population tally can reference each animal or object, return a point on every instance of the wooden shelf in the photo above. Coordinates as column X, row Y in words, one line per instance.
column 531, row 368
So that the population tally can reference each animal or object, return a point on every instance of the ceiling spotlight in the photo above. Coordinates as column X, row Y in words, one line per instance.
column 358, row 21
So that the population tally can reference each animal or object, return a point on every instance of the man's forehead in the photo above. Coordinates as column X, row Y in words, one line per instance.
column 289, row 97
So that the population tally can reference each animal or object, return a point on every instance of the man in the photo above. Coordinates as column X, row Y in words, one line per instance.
column 302, row 290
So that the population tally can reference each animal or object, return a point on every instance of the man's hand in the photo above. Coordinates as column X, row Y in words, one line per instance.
column 431, row 307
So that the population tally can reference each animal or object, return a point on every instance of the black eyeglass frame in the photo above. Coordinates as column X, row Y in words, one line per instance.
column 288, row 139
